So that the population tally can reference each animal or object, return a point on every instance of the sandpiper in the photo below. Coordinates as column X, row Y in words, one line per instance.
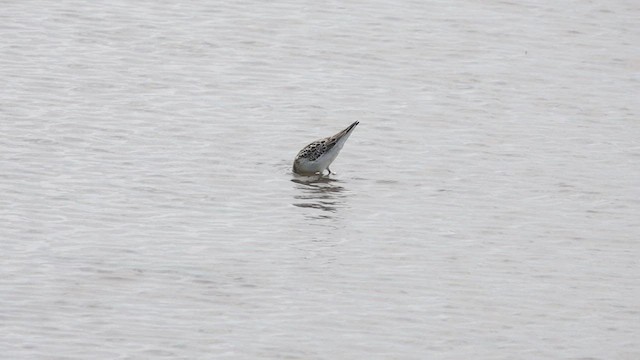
column 317, row 156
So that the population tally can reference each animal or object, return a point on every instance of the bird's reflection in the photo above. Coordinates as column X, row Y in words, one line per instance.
column 319, row 192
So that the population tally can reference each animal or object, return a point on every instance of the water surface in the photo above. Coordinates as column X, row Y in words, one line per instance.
column 486, row 206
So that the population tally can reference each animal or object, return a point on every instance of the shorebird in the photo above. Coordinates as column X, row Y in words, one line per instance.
column 317, row 156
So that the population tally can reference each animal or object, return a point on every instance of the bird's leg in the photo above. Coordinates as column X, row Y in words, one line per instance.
column 330, row 172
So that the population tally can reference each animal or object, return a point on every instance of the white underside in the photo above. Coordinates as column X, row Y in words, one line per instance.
column 317, row 166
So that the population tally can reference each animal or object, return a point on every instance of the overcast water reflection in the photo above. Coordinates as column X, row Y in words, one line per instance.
column 486, row 207
column 322, row 193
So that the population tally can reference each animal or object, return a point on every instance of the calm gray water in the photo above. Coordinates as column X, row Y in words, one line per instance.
column 486, row 206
